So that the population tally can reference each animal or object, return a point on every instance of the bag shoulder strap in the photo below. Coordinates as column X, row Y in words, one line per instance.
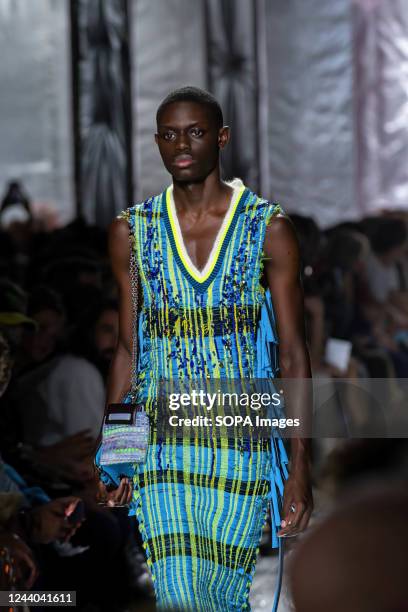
column 134, row 288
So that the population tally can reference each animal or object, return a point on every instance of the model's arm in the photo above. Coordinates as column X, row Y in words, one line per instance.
column 282, row 270
column 119, row 254
column 119, row 378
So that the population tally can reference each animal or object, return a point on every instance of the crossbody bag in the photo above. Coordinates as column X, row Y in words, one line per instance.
column 125, row 427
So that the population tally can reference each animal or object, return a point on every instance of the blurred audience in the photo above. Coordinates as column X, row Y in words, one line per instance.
column 58, row 331
column 353, row 279
column 96, row 335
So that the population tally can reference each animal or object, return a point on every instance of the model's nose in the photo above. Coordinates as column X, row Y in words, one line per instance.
column 182, row 142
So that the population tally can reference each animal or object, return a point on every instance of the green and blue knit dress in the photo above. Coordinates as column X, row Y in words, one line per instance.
column 201, row 505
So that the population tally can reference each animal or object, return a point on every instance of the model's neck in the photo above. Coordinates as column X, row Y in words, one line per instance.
column 200, row 194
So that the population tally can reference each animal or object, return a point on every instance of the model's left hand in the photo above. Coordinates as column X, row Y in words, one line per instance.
column 298, row 495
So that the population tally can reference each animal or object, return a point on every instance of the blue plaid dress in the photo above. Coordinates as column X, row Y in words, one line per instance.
column 202, row 505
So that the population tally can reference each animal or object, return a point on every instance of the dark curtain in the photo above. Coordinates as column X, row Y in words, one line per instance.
column 232, row 78
column 102, row 108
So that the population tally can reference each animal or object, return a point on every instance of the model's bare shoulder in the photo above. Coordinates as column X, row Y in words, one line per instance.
column 280, row 237
column 118, row 242
column 119, row 227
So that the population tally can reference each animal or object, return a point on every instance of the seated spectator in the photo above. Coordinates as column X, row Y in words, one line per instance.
column 13, row 314
column 17, row 562
column 44, row 526
column 311, row 244
column 105, row 542
column 342, row 257
column 58, row 398
column 17, row 220
column 57, row 394
column 381, row 319
column 35, row 517
column 327, row 282
column 388, row 241
column 46, row 449
column 96, row 335
column 38, row 344
column 27, row 515
column 78, row 280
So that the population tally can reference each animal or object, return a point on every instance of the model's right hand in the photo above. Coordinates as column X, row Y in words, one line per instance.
column 118, row 497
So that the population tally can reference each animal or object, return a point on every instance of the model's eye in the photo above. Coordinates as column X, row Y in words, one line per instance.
column 196, row 132
column 168, row 135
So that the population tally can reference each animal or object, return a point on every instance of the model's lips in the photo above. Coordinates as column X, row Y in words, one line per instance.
column 183, row 161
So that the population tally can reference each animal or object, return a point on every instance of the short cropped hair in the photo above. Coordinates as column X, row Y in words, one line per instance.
column 194, row 94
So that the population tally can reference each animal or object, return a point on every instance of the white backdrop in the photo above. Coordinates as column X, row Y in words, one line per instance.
column 381, row 102
column 310, row 145
column 305, row 113
column 332, row 125
column 35, row 101
column 168, row 52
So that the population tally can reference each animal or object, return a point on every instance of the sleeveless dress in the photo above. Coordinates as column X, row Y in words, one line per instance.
column 201, row 507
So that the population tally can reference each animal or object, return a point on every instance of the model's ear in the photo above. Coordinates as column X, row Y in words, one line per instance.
column 223, row 136
column 156, row 138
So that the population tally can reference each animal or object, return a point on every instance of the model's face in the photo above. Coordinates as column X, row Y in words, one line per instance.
column 188, row 141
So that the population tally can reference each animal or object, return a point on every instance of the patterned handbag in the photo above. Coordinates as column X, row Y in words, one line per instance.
column 125, row 426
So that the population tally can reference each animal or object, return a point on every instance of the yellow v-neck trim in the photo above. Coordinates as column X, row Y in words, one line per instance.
column 205, row 273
